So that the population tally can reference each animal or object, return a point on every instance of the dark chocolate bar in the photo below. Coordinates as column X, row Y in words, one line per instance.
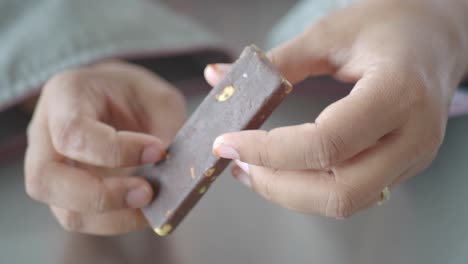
column 243, row 99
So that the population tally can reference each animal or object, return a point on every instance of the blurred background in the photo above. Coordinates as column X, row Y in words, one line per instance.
column 424, row 222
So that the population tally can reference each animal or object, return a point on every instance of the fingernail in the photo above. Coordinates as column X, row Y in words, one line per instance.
column 138, row 197
column 151, row 154
column 244, row 166
column 224, row 151
column 241, row 173
column 217, row 70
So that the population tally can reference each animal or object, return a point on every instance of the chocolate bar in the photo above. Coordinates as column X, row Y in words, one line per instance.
column 243, row 99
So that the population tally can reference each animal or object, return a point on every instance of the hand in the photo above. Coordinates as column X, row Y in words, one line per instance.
column 405, row 58
column 91, row 125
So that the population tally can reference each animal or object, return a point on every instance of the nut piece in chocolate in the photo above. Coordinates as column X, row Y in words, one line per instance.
column 243, row 99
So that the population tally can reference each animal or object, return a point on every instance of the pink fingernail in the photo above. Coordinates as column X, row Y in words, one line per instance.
column 241, row 176
column 218, row 68
column 138, row 197
column 223, row 151
column 151, row 154
column 244, row 166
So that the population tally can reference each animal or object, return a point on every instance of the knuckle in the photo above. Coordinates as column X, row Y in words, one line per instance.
column 64, row 126
column 101, row 202
column 417, row 97
column 71, row 221
column 67, row 135
column 264, row 154
column 115, row 158
column 340, row 203
column 410, row 89
column 416, row 85
column 327, row 151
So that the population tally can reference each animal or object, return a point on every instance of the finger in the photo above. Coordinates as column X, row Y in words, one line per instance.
column 315, row 52
column 302, row 191
column 76, row 100
column 320, row 192
column 215, row 72
column 113, row 223
column 89, row 141
column 319, row 50
column 153, row 105
column 337, row 193
column 290, row 59
column 75, row 189
column 54, row 182
column 49, row 180
column 165, row 109
column 300, row 58
column 362, row 178
column 342, row 130
column 408, row 173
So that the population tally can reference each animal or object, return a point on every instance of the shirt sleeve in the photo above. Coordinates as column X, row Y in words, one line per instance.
column 42, row 38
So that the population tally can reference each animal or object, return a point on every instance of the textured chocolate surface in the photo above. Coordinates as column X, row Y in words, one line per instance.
column 243, row 99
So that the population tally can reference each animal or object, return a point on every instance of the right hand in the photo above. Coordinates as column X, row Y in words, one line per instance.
column 405, row 58
column 90, row 127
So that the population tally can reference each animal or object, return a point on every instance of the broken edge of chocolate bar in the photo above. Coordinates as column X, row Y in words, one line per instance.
column 243, row 99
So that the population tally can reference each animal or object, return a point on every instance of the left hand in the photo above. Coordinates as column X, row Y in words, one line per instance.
column 92, row 126
column 406, row 58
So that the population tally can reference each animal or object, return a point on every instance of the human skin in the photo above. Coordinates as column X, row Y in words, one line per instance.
column 406, row 58
column 90, row 127
column 93, row 124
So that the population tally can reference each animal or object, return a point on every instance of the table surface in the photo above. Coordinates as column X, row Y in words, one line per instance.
column 424, row 222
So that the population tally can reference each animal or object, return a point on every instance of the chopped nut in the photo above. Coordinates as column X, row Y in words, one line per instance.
column 210, row 172
column 289, row 86
column 192, row 173
column 227, row 92
column 168, row 213
column 203, row 189
column 164, row 230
